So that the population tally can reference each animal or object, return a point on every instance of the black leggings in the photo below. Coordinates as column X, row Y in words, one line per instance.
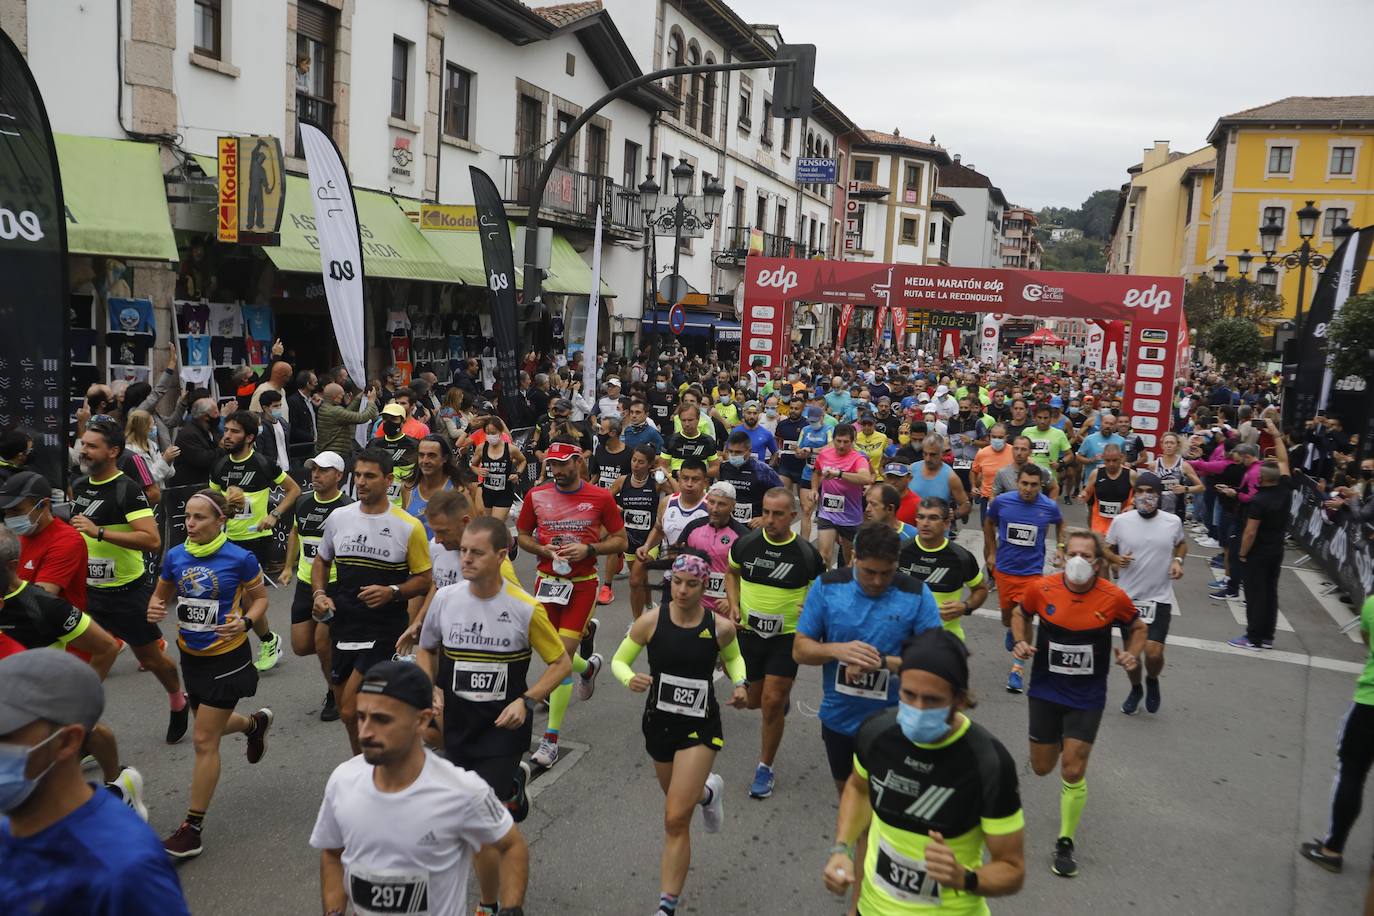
column 1354, row 755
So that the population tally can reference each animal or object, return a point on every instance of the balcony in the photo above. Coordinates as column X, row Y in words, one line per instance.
column 572, row 194
column 735, row 247
column 315, row 112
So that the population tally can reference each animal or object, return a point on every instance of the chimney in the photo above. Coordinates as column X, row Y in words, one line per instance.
column 1156, row 156
column 896, row 132
column 956, row 158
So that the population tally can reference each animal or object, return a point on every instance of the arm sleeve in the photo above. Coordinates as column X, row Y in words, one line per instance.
column 73, row 624
column 625, row 657
column 136, row 504
column 543, row 636
column 734, row 662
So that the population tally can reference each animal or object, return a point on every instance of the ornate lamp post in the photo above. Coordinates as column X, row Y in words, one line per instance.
column 1301, row 259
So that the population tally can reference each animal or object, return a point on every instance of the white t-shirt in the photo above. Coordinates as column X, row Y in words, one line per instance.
column 409, row 851
column 1151, row 543
column 446, row 566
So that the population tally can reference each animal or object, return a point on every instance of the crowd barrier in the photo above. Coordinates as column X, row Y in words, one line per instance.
column 1341, row 549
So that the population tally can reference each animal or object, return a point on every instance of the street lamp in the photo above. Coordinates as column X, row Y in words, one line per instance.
column 1300, row 260
column 1219, row 270
column 1342, row 231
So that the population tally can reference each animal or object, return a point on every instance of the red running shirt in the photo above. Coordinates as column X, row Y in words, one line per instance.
column 556, row 518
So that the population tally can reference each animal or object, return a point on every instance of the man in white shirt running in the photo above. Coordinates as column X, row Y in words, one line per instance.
column 399, row 826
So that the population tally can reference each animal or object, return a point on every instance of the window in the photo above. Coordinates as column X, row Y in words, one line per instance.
column 665, row 180
column 1130, row 219
column 458, row 102
column 863, row 170
column 761, row 213
column 316, row 26
column 766, row 135
column 911, row 185
column 1342, row 160
column 787, row 136
column 708, row 102
column 1276, row 214
column 909, row 229
column 781, row 227
column 209, row 19
column 400, row 77
column 740, row 216
column 1280, row 160
column 528, row 125
column 1188, row 210
column 746, row 104
column 934, row 232
column 596, row 149
column 857, row 233
column 675, row 59
column 693, row 87
column 563, row 123
column 1334, row 215
column 630, row 175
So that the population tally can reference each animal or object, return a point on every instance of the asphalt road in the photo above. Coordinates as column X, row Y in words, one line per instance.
column 1198, row 809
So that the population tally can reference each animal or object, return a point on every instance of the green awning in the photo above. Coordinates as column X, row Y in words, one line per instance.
column 568, row 273
column 116, row 200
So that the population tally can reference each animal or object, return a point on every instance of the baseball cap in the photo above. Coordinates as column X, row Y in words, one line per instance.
column 22, row 486
column 1057, row 401
column 394, row 410
column 325, row 459
column 897, row 469
column 722, row 488
column 942, row 391
column 562, row 404
column 563, row 451
column 613, row 381
column 814, row 413
column 48, row 684
column 402, row 681
column 923, row 397
column 929, row 408
column 751, row 404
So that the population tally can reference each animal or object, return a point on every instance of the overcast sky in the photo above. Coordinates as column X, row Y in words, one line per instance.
column 1053, row 99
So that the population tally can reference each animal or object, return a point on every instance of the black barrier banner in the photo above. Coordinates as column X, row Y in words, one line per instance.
column 172, row 508
column 1342, row 548
column 33, row 265
column 499, row 260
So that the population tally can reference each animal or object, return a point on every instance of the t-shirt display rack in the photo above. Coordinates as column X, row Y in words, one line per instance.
column 422, row 339
column 215, row 336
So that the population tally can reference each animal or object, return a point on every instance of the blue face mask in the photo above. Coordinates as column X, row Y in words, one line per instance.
column 15, row 787
column 22, row 524
column 737, row 460
column 923, row 726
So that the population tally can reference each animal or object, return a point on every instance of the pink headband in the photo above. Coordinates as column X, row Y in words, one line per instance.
column 692, row 565
column 213, row 505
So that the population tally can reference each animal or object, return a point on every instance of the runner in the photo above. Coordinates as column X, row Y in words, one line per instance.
column 1048, row 445
column 639, row 430
column 216, row 590
column 113, row 516
column 1004, row 481
column 854, row 623
column 762, row 443
column 561, row 523
column 639, row 495
column 1108, row 490
column 933, row 479
column 1177, row 477
column 1014, row 548
column 871, row 441
column 749, row 476
column 682, row 728
column 691, row 442
column 771, row 569
column 990, row 459
column 255, row 474
column 711, row 536
column 308, row 635
column 945, row 567
column 1094, row 444
column 837, row 485
column 383, row 562
column 402, row 449
column 674, row 514
column 898, row 476
column 497, row 464
column 52, row 555
column 1077, row 610
column 881, row 504
column 1148, row 547
column 610, row 463
column 788, row 432
column 399, row 827
column 813, row 437
column 926, row 850
column 435, row 472
column 476, row 643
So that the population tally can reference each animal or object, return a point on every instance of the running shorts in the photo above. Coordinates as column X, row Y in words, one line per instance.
column 770, row 656
column 839, row 752
column 665, row 735
column 1156, row 623
column 1051, row 722
column 1009, row 588
column 846, row 532
column 571, row 619
column 357, row 657
column 123, row 611
column 219, row 681
column 302, row 603
column 497, row 771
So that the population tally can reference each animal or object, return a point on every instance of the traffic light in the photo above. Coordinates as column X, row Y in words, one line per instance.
column 793, row 87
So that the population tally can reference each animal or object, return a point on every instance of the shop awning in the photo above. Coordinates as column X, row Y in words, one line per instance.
column 698, row 324
column 568, row 273
column 728, row 331
column 116, row 200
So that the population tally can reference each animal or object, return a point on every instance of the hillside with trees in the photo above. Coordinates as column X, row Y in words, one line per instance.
column 1093, row 218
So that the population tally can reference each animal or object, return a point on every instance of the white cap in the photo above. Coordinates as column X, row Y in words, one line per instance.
column 326, row 459
column 923, row 397
column 941, row 391
column 722, row 488
column 929, row 408
column 613, row 381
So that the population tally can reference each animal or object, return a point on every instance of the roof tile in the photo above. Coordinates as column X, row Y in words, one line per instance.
column 561, row 14
column 1309, row 108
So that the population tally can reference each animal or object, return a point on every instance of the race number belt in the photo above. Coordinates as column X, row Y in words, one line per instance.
column 1067, row 658
column 683, row 696
column 197, row 615
column 832, row 502
column 744, row 512
column 871, row 685
column 553, row 590
column 905, row 878
column 1146, row 610
column 393, row 492
column 765, row 625
column 1108, row 510
column 480, row 682
column 385, row 893
column 494, row 481
column 715, row 585
column 356, row 646
column 99, row 569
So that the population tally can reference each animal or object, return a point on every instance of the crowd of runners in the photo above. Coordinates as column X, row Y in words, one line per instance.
column 766, row 521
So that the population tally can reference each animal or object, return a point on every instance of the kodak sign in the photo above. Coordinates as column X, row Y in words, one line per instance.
column 228, row 222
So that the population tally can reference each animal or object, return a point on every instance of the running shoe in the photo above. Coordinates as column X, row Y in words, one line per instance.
column 1218, row 561
column 713, row 811
column 161, row 647
column 588, row 645
column 1009, row 641
column 762, row 786
column 546, row 755
column 1208, row 542
column 1224, row 594
column 1266, row 644
column 179, row 721
column 1152, row 698
column 1016, row 681
column 257, row 742
column 1242, row 642
column 586, row 682
column 1131, row 705
column 329, row 712
column 1064, row 864
column 605, row 595
column 130, row 785
column 184, row 843
column 269, row 653
column 1312, row 852
column 519, row 803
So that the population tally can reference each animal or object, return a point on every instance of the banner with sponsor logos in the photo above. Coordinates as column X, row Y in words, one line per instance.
column 846, row 315
column 1341, row 547
column 878, row 322
column 988, row 338
column 899, row 327
column 1152, row 305
column 498, row 258
column 34, row 370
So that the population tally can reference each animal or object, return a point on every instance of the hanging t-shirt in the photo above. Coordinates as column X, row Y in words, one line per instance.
column 258, row 319
column 197, row 351
column 397, row 320
column 259, row 351
column 81, row 345
column 132, row 316
column 400, row 349
column 226, row 320
column 129, row 349
column 228, row 351
column 193, row 318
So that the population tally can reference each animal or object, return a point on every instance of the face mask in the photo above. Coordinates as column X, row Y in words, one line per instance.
column 923, row 726
column 1075, row 411
column 15, row 788
column 736, row 461
column 1367, row 473
column 725, row 399
column 1078, row 570
column 22, row 524
column 392, row 425
column 1147, row 503
column 998, row 444
column 278, row 414
column 661, row 386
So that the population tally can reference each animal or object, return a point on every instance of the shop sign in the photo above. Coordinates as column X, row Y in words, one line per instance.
column 252, row 190
column 401, row 158
column 816, row 170
column 448, row 217
column 228, row 178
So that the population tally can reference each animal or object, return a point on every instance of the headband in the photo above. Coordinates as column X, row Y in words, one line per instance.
column 692, row 565
column 214, row 505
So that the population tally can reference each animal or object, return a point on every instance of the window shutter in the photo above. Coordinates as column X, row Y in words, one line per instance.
column 315, row 20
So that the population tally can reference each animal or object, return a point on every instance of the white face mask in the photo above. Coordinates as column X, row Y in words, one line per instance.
column 1078, row 570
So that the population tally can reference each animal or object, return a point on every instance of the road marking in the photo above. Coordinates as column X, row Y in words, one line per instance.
column 1237, row 607
column 1339, row 612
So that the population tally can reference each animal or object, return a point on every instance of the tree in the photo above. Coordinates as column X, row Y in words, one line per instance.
column 1234, row 342
column 1075, row 254
column 1094, row 217
column 1351, row 337
column 1206, row 302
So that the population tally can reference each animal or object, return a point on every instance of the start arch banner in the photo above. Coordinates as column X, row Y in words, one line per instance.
column 1152, row 305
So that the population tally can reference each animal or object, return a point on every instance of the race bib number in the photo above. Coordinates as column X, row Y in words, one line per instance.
column 385, row 893
column 789, row 447
column 480, row 682
column 247, row 511
column 1108, row 510
column 832, row 502
column 1040, row 446
column 197, row 615
column 309, row 549
column 355, row 646
column 871, row 685
column 765, row 625
column 393, row 492
column 1019, row 535
column 715, row 585
column 744, row 512
column 609, row 476
column 638, row 519
column 1070, row 659
column 99, row 569
column 1146, row 610
column 661, row 411
column 683, row 696
column 905, row 878
column 494, row 482
column 963, row 464
column 553, row 591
